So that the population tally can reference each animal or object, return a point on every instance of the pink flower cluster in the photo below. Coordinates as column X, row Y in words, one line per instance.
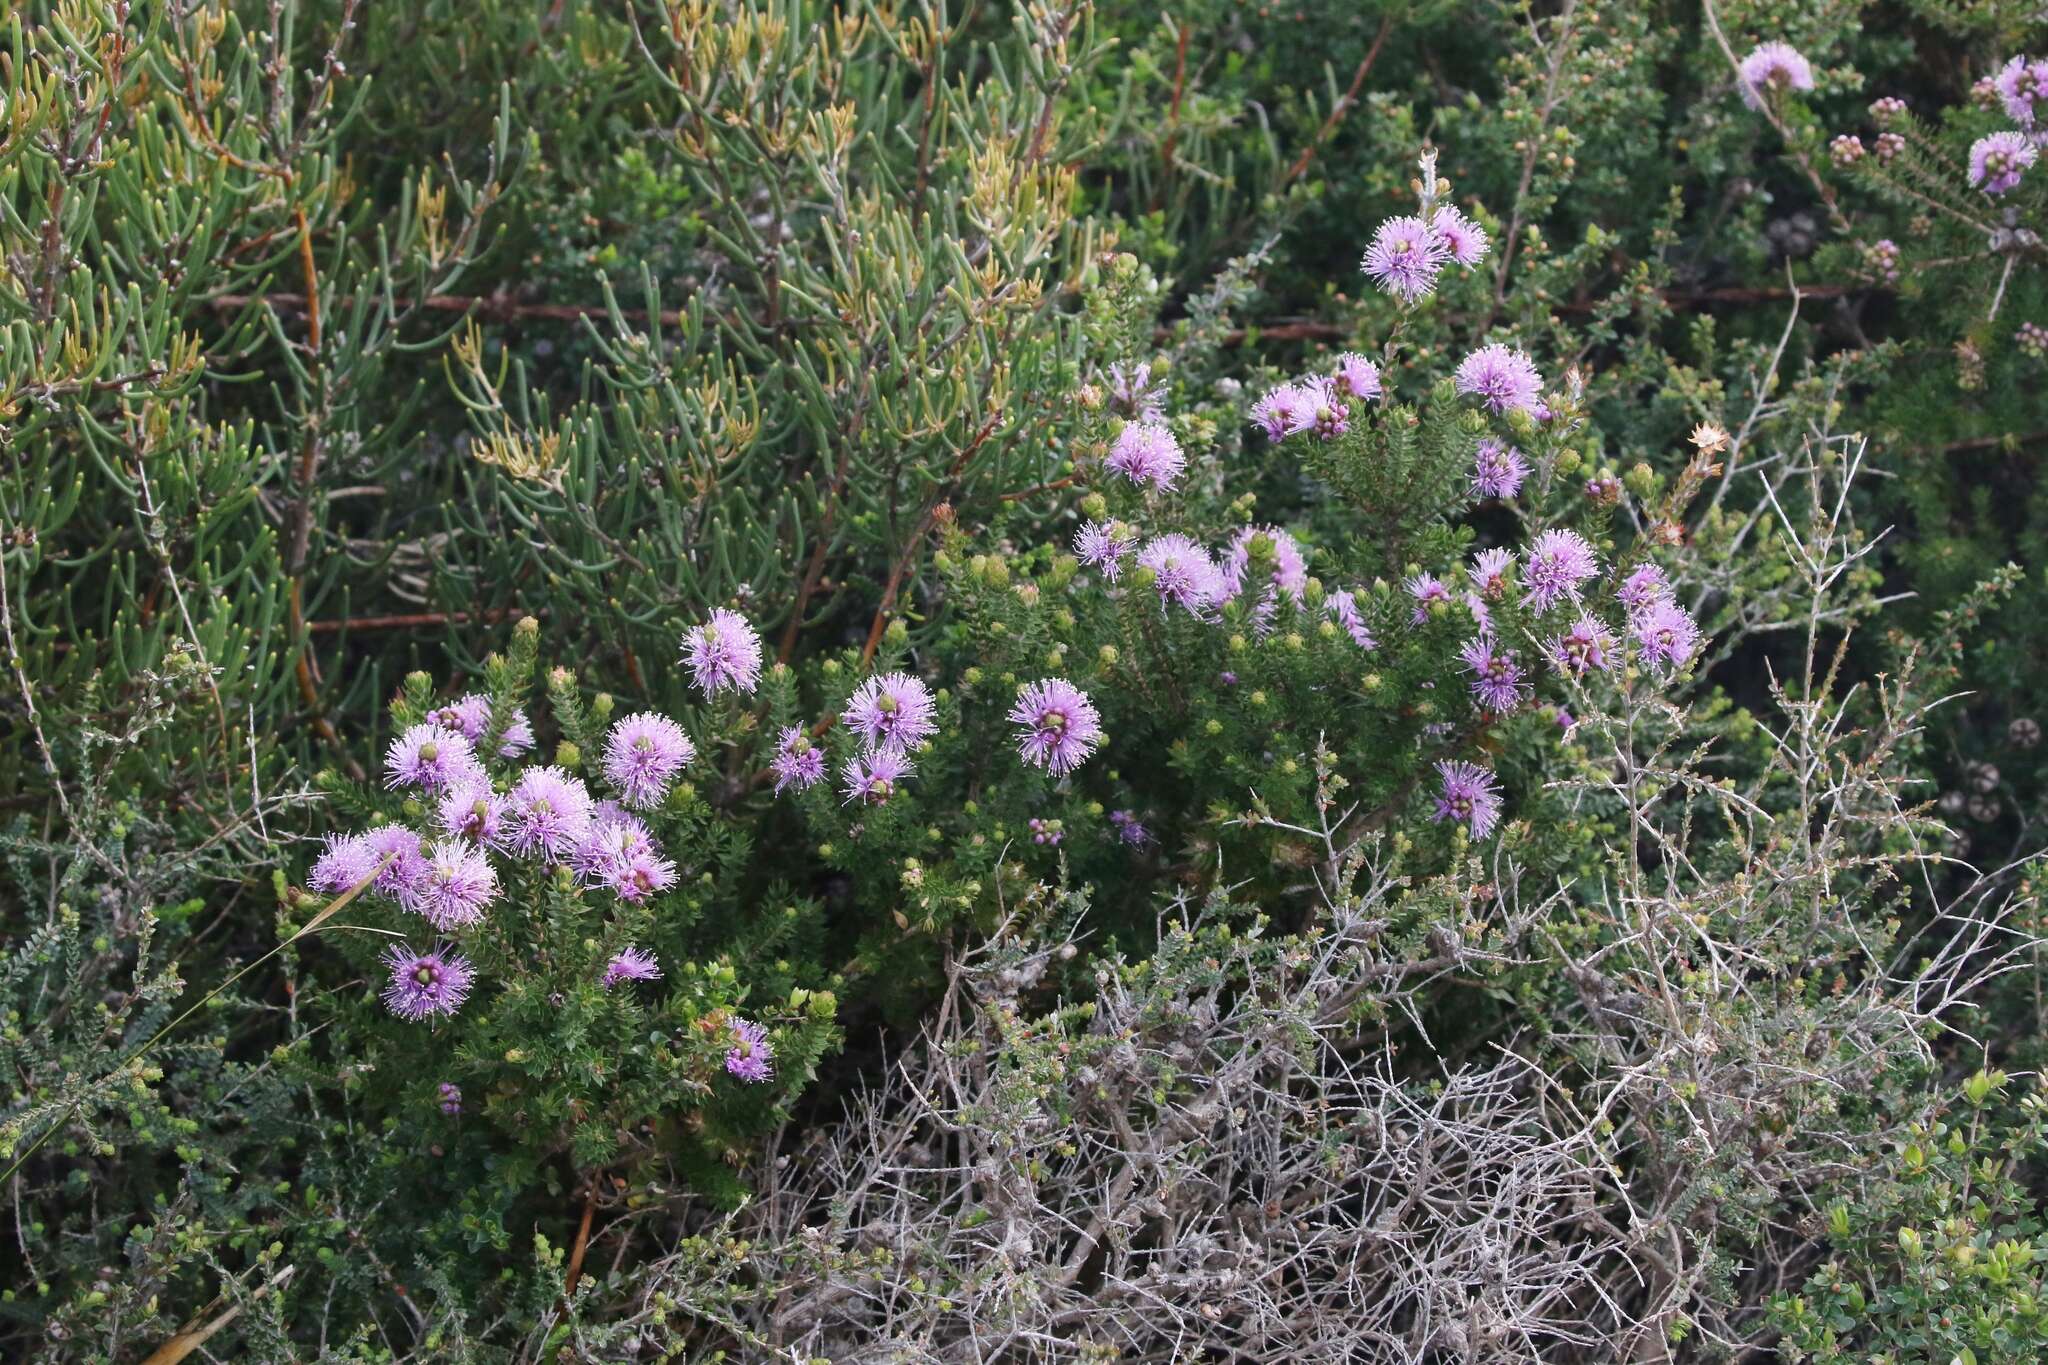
column 542, row 814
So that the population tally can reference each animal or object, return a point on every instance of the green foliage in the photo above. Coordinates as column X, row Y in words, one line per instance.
column 343, row 344
column 1941, row 1256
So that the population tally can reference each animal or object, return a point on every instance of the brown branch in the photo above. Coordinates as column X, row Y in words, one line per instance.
column 1180, row 77
column 1053, row 487
column 412, row 620
column 581, row 1245
column 1999, row 442
column 491, row 307
column 1341, row 107
column 901, row 567
column 1677, row 298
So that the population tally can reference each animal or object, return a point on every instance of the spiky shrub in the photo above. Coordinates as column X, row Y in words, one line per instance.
column 1218, row 1142
column 532, row 913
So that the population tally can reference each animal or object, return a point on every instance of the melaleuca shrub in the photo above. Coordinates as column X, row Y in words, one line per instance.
column 571, row 953
column 1218, row 653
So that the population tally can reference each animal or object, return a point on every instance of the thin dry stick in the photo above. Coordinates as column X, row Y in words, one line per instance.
column 1337, row 110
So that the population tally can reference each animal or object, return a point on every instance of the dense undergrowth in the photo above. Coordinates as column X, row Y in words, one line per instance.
column 1056, row 681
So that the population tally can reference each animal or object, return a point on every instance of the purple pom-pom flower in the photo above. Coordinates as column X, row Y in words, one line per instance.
column 1147, row 453
column 1342, row 606
column 751, row 1058
column 1183, row 573
column 1585, row 646
column 344, row 862
column 400, row 853
column 642, row 756
column 426, row 984
column 1285, row 411
column 1469, row 797
column 1668, row 636
column 1772, row 66
column 1502, row 377
column 892, row 711
column 474, row 812
column 872, row 778
column 2022, row 86
column 723, row 653
column 1498, row 682
column 550, row 813
column 454, row 885
column 1358, row 377
column 1498, row 469
column 1998, row 160
column 798, row 762
column 1559, row 562
column 630, row 964
column 431, row 757
column 1104, row 545
column 1405, row 258
column 1058, row 724
column 1463, row 239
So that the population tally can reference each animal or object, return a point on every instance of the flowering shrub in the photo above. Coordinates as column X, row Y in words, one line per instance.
column 550, row 963
column 787, row 680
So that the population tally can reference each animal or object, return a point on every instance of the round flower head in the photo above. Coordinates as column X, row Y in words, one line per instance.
column 426, row 984
column 1284, row 411
column 1469, row 797
column 1427, row 590
column 630, row 964
column 1498, row 469
column 892, row 711
column 1498, row 683
column 2022, row 86
column 1290, row 570
column 1559, row 561
column 1058, row 725
column 1358, row 376
column 1772, row 66
column 550, row 814
column 1135, row 393
column 1104, row 545
column 1182, row 572
column 1463, row 239
column 1343, row 609
column 1493, row 572
column 1145, row 452
column 398, row 851
column 1645, row 586
column 642, row 756
column 456, row 882
column 344, row 862
column 1998, row 160
column 1405, row 258
column 450, row 1097
column 751, row 1057
column 1502, row 377
column 1332, row 414
column 621, row 855
column 1585, row 646
column 723, row 653
column 872, row 778
column 474, row 812
column 431, row 757
column 798, row 762
column 470, row 714
column 1668, row 636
